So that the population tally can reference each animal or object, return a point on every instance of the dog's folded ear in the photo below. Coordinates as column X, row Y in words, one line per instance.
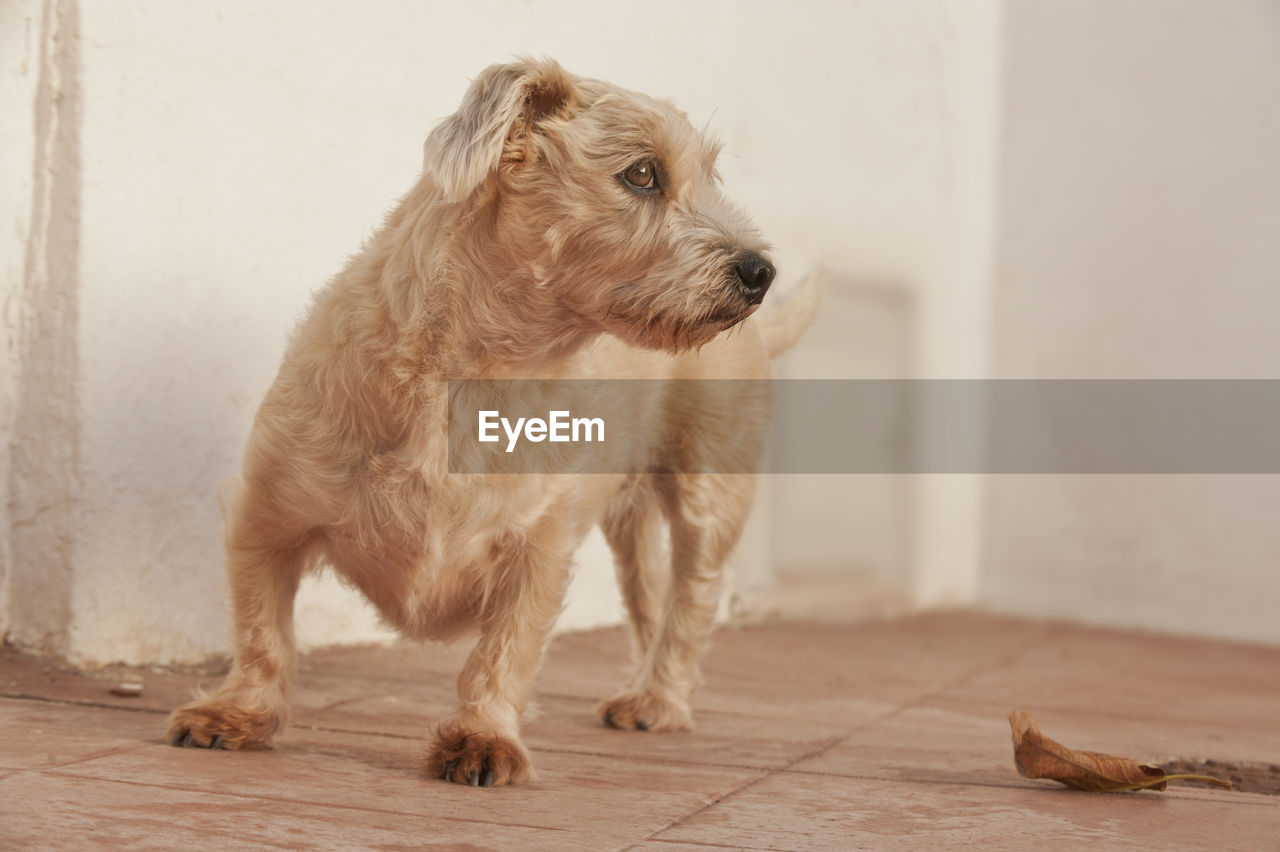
column 500, row 108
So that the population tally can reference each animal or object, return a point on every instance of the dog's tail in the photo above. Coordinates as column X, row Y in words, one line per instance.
column 782, row 326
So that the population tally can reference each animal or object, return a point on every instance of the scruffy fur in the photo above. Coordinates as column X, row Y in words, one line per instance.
column 526, row 249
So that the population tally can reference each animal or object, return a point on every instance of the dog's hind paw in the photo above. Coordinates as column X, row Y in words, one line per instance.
column 478, row 759
column 643, row 711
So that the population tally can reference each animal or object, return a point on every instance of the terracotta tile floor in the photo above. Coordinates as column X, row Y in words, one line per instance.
column 888, row 735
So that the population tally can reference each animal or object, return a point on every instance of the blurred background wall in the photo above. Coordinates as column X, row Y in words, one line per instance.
column 1138, row 218
column 1052, row 189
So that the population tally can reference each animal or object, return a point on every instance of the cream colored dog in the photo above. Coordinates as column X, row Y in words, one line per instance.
column 562, row 228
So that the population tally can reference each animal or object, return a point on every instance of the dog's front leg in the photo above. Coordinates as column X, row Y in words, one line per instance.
column 253, row 702
column 479, row 743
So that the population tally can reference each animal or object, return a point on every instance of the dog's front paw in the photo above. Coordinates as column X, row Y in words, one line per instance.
column 644, row 711
column 221, row 723
column 477, row 758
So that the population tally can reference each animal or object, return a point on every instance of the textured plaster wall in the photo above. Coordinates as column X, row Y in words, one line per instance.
column 17, row 92
column 39, row 369
column 1139, row 210
column 19, row 71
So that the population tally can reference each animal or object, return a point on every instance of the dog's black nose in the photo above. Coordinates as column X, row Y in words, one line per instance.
column 755, row 274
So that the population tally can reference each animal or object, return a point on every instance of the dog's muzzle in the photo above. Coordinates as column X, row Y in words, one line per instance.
column 754, row 275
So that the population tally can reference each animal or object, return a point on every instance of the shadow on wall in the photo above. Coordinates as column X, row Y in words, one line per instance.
column 841, row 543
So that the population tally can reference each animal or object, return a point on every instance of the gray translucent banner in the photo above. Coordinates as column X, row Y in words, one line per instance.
column 729, row 426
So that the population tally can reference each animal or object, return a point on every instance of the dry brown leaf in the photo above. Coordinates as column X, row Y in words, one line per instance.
column 1037, row 756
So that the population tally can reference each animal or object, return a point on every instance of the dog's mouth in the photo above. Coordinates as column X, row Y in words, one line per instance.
column 726, row 318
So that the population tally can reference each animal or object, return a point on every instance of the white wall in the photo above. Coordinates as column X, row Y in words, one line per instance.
column 896, row 126
column 231, row 155
column 1139, row 223
column 1018, row 187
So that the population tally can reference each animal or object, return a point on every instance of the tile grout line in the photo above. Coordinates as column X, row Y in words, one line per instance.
column 750, row 782
column 977, row 670
column 1180, row 793
column 286, row 800
column 1009, row 660
column 702, row 844
column 78, row 702
column 97, row 756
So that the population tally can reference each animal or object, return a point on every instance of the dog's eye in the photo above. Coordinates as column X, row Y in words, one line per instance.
column 641, row 176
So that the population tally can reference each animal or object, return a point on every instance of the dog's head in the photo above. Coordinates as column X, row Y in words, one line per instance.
column 609, row 200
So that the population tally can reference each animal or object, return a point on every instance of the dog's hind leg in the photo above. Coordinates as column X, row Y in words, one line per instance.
column 707, row 513
column 253, row 701
column 633, row 526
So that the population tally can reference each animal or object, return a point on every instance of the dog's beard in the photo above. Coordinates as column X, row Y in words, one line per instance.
column 727, row 319
column 673, row 327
